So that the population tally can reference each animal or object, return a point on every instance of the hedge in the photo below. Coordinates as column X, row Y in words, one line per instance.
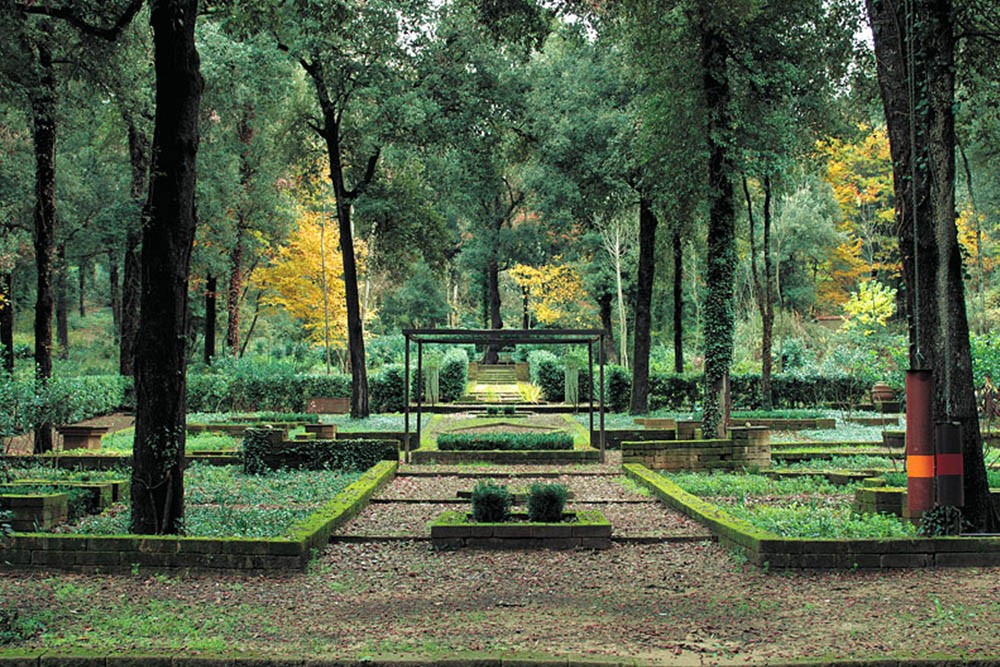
column 454, row 374
column 248, row 390
column 62, row 401
column 504, row 441
column 263, row 451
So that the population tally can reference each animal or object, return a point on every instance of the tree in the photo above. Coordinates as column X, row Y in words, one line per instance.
column 915, row 54
column 168, row 234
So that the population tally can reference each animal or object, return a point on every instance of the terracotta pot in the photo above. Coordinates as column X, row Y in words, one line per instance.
column 882, row 392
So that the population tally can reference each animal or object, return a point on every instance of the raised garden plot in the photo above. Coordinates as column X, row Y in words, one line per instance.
column 586, row 529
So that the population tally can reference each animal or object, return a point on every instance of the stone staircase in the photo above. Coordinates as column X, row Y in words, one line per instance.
column 493, row 384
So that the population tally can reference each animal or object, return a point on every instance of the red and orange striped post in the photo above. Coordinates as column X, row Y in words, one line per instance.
column 919, row 442
column 950, row 466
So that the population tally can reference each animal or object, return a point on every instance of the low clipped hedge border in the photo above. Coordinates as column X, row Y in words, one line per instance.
column 767, row 550
column 120, row 554
column 264, row 450
column 520, row 442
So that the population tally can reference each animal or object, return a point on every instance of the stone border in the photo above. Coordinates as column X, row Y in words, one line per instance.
column 766, row 549
column 92, row 554
column 98, row 659
column 538, row 456
column 454, row 529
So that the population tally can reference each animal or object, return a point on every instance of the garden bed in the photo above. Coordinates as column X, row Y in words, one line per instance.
column 587, row 529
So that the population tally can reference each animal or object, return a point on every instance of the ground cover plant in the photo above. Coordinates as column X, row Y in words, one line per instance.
column 800, row 507
column 224, row 502
column 466, row 424
column 504, row 441
column 120, row 442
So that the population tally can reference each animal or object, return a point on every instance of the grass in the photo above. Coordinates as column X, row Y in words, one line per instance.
column 856, row 462
column 120, row 442
column 799, row 507
column 223, row 502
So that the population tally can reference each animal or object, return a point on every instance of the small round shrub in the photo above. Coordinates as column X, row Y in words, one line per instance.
column 491, row 503
column 546, row 502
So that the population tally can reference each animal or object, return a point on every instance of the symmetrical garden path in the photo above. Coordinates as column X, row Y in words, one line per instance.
column 403, row 510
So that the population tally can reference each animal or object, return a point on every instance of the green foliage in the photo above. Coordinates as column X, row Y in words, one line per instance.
column 16, row 628
column 942, row 521
column 263, row 450
column 986, row 358
column 385, row 389
column 870, row 307
column 505, row 441
column 789, row 390
column 747, row 485
column 491, row 503
column 618, row 388
column 453, row 377
column 61, row 401
column 546, row 372
column 546, row 502
column 816, row 519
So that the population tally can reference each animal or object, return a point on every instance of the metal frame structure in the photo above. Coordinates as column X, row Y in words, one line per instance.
column 502, row 337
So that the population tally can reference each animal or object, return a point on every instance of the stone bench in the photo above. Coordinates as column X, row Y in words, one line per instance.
column 81, row 437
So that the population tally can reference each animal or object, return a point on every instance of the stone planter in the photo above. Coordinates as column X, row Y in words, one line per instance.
column 882, row 392
column 585, row 529
column 322, row 431
column 81, row 437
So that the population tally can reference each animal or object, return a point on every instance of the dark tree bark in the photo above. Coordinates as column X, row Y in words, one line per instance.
column 234, row 292
column 719, row 317
column 643, row 308
column 7, row 320
column 62, row 302
column 82, row 284
column 114, row 287
column 211, row 286
column 678, row 252
column 43, row 112
column 330, row 131
column 492, row 355
column 917, row 53
column 525, row 307
column 139, row 156
column 168, row 233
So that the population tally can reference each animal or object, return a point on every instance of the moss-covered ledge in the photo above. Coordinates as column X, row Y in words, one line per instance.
column 125, row 553
column 766, row 549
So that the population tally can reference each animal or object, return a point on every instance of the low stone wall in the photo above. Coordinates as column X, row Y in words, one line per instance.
column 123, row 553
column 614, row 439
column 766, row 549
column 540, row 457
column 783, row 424
column 747, row 447
column 588, row 530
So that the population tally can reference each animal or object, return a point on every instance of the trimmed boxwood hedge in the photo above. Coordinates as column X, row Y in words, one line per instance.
column 504, row 441
column 263, row 450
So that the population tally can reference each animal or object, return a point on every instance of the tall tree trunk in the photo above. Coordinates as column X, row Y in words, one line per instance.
column 43, row 112
column 721, row 255
column 139, row 156
column 234, row 292
column 607, row 325
column 643, row 308
column 492, row 355
column 525, row 310
column 7, row 319
column 168, row 233
column 767, row 306
column 211, row 286
column 678, row 248
column 114, row 287
column 355, row 329
column 82, row 284
column 62, row 302
column 915, row 59
column 980, row 327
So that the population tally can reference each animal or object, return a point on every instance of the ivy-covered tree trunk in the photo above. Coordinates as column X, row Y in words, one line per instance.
column 915, row 56
column 721, row 256
column 678, row 253
column 643, row 308
column 493, row 292
column 138, row 151
column 43, row 112
column 7, row 319
column 168, row 234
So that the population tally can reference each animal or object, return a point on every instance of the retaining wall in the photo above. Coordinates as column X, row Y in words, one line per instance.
column 748, row 447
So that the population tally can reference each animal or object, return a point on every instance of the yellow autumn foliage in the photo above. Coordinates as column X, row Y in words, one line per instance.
column 556, row 293
column 294, row 278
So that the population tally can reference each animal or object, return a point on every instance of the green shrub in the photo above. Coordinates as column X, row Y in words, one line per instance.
column 243, row 385
column 263, row 451
column 547, row 374
column 335, row 385
column 454, row 374
column 491, row 503
column 62, row 401
column 385, row 389
column 546, row 502
column 505, row 441
column 617, row 388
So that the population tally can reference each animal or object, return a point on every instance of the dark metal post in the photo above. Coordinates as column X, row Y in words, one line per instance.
column 600, row 355
column 420, row 393
column 590, row 379
column 406, row 399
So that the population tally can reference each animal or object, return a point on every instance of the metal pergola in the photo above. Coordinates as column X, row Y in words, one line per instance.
column 502, row 337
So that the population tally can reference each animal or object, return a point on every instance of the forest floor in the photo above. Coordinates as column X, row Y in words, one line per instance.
column 667, row 594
